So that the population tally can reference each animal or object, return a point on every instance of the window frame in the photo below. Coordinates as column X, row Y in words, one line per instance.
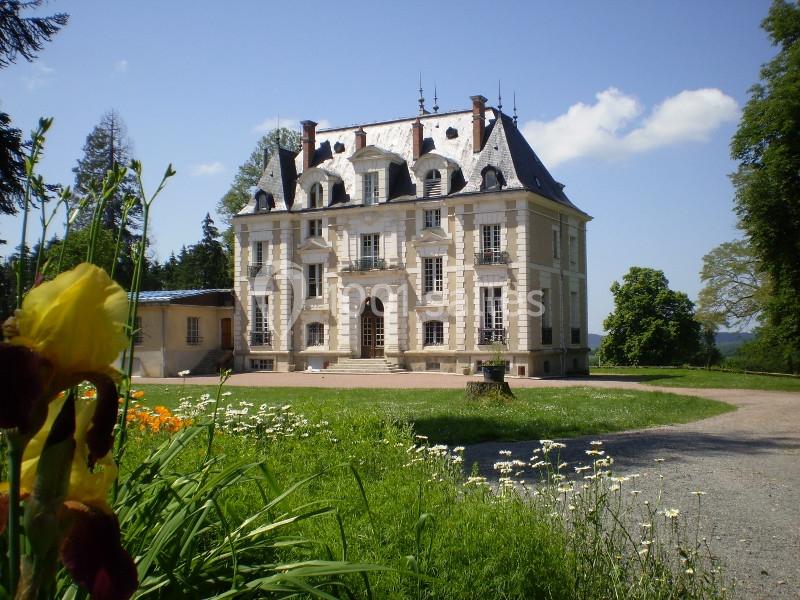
column 259, row 322
column 492, row 304
column 315, row 334
column 316, row 195
column 431, row 218
column 371, row 187
column 315, row 228
column 433, row 333
column 193, row 331
column 314, row 274
column 138, row 333
column 432, row 184
column 432, row 274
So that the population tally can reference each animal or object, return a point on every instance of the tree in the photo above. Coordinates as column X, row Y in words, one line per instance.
column 209, row 260
column 651, row 324
column 767, row 182
column 735, row 288
column 25, row 37
column 106, row 146
column 249, row 172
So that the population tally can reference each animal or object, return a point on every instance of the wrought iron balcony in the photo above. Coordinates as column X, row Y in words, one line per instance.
column 491, row 335
column 492, row 257
column 368, row 263
column 261, row 338
column 547, row 335
column 575, row 335
column 253, row 270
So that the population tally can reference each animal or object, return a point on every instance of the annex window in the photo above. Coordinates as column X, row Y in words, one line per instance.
column 314, row 287
column 137, row 331
column 432, row 274
column 371, row 187
column 433, row 218
column 315, row 196
column 315, row 334
column 433, row 184
column 434, row 333
column 315, row 228
column 193, row 331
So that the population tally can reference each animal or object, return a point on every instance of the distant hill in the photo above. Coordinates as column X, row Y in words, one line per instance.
column 727, row 341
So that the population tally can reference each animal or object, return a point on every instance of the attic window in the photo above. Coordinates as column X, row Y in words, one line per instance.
column 338, row 147
column 315, row 196
column 491, row 180
column 433, row 183
column 264, row 200
column 451, row 133
column 538, row 183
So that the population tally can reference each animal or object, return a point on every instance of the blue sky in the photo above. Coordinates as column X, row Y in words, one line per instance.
column 631, row 104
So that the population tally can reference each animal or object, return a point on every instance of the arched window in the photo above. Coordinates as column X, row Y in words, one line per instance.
column 315, row 334
column 434, row 333
column 315, row 196
column 492, row 179
column 433, row 183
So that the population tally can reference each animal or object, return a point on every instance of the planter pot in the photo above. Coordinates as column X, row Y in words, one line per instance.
column 494, row 373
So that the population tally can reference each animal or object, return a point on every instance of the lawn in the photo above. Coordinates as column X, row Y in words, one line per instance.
column 381, row 494
column 445, row 417
column 699, row 378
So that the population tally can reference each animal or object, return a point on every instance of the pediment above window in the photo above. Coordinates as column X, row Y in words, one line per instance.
column 373, row 153
column 432, row 160
column 314, row 244
column 434, row 236
column 317, row 187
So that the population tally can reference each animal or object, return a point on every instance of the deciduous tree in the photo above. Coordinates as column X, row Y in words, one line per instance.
column 651, row 324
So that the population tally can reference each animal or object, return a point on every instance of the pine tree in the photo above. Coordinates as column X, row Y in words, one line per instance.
column 106, row 146
column 210, row 259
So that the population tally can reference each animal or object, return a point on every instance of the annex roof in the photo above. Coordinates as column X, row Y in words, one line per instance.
column 212, row 297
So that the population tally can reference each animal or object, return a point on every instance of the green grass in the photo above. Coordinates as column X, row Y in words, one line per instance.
column 418, row 516
column 447, row 418
column 700, row 378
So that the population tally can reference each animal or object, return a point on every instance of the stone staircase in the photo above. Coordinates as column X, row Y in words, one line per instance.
column 363, row 366
column 213, row 362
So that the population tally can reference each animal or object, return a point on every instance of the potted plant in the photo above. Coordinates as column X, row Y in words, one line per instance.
column 494, row 369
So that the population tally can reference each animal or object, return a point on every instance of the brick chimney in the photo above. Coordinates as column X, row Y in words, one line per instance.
column 478, row 121
column 361, row 138
column 416, row 137
column 309, row 143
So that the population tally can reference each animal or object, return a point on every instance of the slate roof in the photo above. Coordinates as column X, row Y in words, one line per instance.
column 181, row 296
column 504, row 147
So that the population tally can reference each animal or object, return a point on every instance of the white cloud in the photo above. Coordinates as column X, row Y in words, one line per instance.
column 290, row 123
column 41, row 76
column 121, row 66
column 613, row 126
column 212, row 168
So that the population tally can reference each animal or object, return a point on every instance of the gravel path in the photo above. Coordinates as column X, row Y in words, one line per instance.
column 747, row 462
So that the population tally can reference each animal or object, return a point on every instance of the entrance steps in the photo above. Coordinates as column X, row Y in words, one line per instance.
column 363, row 366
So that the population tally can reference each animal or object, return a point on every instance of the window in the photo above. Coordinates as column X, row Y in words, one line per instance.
column 315, row 228
column 370, row 249
column 491, row 238
column 259, row 325
column 573, row 251
column 315, row 334
column 314, row 280
column 574, row 318
column 258, row 253
column 193, row 331
column 315, row 196
column 491, row 179
column 433, row 218
column 262, row 364
column 556, row 244
column 371, row 187
column 547, row 323
column 137, row 331
column 492, row 300
column 434, row 333
column 433, row 184
column 432, row 279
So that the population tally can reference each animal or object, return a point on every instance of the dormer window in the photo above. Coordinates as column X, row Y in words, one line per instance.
column 264, row 200
column 433, row 183
column 371, row 190
column 492, row 180
column 315, row 196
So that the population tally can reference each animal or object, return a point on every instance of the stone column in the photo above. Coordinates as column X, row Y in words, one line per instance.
column 459, row 306
column 391, row 321
column 285, row 302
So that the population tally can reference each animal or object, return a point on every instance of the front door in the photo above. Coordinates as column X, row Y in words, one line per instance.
column 372, row 329
column 226, row 334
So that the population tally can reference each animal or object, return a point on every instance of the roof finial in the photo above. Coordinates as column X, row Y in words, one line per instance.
column 499, row 97
column 435, row 100
column 422, row 110
column 515, row 108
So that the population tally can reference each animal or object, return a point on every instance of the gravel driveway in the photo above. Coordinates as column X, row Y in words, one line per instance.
column 747, row 462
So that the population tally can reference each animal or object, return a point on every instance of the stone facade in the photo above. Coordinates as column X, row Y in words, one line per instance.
column 415, row 241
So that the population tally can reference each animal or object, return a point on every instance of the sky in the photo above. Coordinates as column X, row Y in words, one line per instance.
column 631, row 104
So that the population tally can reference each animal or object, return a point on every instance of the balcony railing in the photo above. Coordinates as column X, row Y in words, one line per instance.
column 575, row 335
column 369, row 263
column 492, row 257
column 547, row 335
column 491, row 335
column 261, row 338
column 253, row 270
